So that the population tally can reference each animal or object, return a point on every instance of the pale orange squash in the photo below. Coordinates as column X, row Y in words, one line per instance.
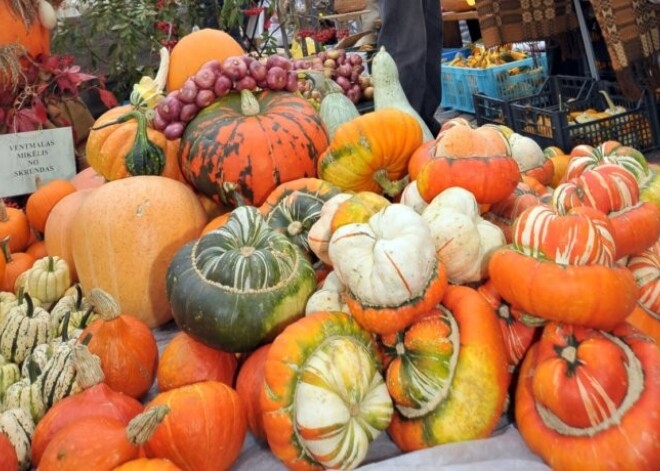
column 125, row 236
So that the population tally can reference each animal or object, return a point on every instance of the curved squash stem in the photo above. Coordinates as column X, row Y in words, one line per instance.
column 612, row 108
column 4, row 217
column 88, row 367
column 230, row 196
column 6, row 252
column 390, row 188
column 104, row 304
column 141, row 427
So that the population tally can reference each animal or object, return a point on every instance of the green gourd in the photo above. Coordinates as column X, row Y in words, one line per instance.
column 336, row 108
column 388, row 92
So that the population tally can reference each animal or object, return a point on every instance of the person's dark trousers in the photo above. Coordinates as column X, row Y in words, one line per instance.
column 411, row 32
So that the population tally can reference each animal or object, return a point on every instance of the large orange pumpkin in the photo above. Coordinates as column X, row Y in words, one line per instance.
column 109, row 149
column 243, row 146
column 126, row 234
column 196, row 48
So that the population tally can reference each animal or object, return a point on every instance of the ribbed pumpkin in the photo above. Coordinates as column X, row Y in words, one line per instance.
column 148, row 464
column 126, row 233
column 645, row 267
column 243, row 146
column 14, row 224
column 126, row 346
column 41, row 202
column 250, row 385
column 240, row 285
column 371, row 152
column 110, row 148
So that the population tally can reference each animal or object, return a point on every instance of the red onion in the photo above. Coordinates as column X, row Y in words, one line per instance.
column 263, row 84
column 174, row 130
column 278, row 61
column 292, row 81
column 246, row 83
column 205, row 98
column 344, row 83
column 355, row 59
column 169, row 107
column 355, row 76
column 188, row 92
column 222, row 85
column 354, row 94
column 204, row 78
column 258, row 70
column 188, row 112
column 277, row 78
column 344, row 70
column 234, row 68
column 214, row 65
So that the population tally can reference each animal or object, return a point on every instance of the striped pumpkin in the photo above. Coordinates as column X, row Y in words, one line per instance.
column 238, row 286
column 293, row 207
column 324, row 399
column 26, row 395
column 81, row 312
column 242, row 147
column 24, row 327
column 18, row 426
column 10, row 373
column 58, row 378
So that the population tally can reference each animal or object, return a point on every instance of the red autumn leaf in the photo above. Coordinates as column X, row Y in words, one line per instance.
column 107, row 98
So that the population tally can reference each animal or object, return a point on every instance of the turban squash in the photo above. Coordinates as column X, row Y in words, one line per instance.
column 241, row 147
column 588, row 399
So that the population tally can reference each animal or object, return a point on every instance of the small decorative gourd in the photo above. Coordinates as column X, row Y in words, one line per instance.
column 18, row 426
column 10, row 373
column 48, row 279
column 24, row 327
column 26, row 394
column 81, row 312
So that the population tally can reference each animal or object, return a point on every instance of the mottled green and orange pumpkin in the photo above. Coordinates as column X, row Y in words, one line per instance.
column 241, row 147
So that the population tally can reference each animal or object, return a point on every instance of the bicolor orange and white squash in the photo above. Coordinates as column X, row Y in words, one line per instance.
column 324, row 399
column 613, row 190
column 330, row 296
column 504, row 213
column 390, row 267
column 531, row 159
column 588, row 399
column 447, row 373
column 556, row 259
column 645, row 267
column 462, row 238
column 477, row 159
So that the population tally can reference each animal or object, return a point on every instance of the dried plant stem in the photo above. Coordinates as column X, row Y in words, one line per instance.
column 26, row 10
column 11, row 68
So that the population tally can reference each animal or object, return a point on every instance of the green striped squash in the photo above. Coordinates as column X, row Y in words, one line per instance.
column 26, row 395
column 240, row 285
column 81, row 312
column 58, row 378
column 18, row 426
column 24, row 327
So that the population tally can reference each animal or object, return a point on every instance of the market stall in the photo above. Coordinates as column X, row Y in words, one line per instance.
column 256, row 272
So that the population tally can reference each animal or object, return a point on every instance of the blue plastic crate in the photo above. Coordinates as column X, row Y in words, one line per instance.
column 459, row 83
column 448, row 53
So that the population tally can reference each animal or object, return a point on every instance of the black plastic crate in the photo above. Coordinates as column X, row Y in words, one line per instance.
column 545, row 118
column 489, row 110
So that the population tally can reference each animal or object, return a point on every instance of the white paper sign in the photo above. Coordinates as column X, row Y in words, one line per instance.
column 48, row 154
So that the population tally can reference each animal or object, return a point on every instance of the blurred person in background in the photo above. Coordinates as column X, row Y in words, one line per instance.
column 411, row 32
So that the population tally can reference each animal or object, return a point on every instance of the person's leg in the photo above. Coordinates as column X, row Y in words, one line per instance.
column 433, row 88
column 404, row 36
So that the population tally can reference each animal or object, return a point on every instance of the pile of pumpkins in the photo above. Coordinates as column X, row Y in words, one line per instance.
column 331, row 286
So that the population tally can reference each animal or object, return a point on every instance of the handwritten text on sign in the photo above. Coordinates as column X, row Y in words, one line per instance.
column 48, row 154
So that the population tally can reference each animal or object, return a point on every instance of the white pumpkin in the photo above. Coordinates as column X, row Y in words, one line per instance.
column 527, row 153
column 386, row 261
column 462, row 238
column 319, row 234
column 410, row 197
column 329, row 297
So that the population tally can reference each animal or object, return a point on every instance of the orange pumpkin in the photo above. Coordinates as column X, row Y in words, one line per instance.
column 37, row 249
column 186, row 361
column 35, row 38
column 645, row 267
column 126, row 346
column 216, row 222
column 249, row 386
column 16, row 263
column 8, row 457
column 127, row 232
column 41, row 202
column 14, row 224
column 57, row 233
column 110, row 148
column 197, row 48
column 420, row 157
column 87, row 179
column 504, row 213
column 478, row 160
column 588, row 399
column 148, row 464
column 99, row 442
column 220, row 426
column 448, row 356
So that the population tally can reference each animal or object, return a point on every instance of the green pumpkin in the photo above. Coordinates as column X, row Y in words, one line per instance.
column 240, row 285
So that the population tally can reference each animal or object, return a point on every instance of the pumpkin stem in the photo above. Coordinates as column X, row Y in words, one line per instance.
column 79, row 297
column 65, row 326
column 88, row 367
column 390, row 188
column 142, row 426
column 249, row 103
column 6, row 251
column 51, row 264
column 33, row 370
column 30, row 305
column 294, row 228
column 4, row 217
column 229, row 195
column 104, row 304
column 85, row 318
